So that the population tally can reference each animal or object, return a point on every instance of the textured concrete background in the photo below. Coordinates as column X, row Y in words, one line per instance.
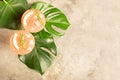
column 90, row 49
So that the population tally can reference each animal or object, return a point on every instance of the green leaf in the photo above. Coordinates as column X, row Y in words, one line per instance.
column 55, row 17
column 43, row 54
column 10, row 13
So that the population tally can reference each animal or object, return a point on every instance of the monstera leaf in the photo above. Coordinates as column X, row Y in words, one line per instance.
column 10, row 12
column 55, row 17
column 43, row 54
column 45, row 51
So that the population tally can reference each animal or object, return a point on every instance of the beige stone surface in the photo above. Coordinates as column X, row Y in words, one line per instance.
column 90, row 49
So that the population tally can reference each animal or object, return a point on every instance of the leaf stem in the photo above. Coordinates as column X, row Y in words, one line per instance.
column 22, row 41
column 38, row 17
column 10, row 7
